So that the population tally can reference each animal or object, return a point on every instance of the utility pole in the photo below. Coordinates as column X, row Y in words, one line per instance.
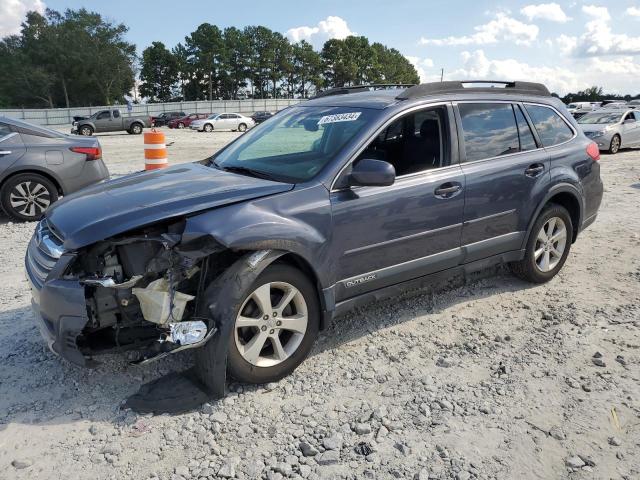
column 441, row 74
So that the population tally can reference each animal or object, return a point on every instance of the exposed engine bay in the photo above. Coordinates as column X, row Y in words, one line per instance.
column 144, row 292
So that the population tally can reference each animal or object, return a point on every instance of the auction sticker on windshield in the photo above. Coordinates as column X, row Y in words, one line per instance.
column 339, row 117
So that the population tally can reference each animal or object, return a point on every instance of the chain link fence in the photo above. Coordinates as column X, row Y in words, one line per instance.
column 62, row 116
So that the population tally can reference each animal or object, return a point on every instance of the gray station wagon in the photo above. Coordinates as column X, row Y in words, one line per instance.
column 331, row 204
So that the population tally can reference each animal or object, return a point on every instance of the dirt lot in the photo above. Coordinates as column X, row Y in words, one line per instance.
column 492, row 379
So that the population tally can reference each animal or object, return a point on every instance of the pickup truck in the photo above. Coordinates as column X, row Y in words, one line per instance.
column 109, row 121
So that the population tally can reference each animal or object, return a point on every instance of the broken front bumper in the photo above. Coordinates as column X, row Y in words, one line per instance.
column 58, row 304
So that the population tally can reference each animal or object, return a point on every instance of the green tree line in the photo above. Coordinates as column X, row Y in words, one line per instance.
column 257, row 62
column 78, row 58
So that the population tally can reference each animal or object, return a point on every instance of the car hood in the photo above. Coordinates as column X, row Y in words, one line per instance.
column 107, row 209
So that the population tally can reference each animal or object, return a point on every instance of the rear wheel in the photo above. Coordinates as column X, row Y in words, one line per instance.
column 26, row 196
column 275, row 326
column 614, row 146
column 242, row 127
column 208, row 127
column 548, row 246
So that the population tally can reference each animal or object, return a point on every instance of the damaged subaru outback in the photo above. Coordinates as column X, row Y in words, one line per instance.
column 353, row 196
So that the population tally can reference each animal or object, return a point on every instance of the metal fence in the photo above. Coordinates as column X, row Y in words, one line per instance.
column 61, row 116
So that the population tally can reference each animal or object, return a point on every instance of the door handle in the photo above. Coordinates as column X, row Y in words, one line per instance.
column 5, row 152
column 534, row 170
column 447, row 190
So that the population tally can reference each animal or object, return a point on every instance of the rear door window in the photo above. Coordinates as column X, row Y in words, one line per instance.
column 551, row 128
column 489, row 130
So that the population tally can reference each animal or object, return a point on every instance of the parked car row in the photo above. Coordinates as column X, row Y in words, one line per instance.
column 612, row 127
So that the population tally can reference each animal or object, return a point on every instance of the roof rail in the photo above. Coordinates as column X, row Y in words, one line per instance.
column 527, row 88
column 361, row 88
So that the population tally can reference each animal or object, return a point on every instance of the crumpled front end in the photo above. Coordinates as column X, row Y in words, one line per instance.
column 133, row 292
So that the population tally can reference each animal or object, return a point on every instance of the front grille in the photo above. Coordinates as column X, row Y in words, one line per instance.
column 44, row 250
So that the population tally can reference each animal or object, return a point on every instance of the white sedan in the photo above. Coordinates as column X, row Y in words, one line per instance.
column 223, row 121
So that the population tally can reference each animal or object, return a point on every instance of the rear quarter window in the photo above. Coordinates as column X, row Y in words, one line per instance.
column 551, row 128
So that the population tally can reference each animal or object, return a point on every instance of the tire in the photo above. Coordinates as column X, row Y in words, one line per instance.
column 242, row 127
column 86, row 131
column 548, row 263
column 614, row 146
column 135, row 129
column 42, row 191
column 207, row 127
column 180, row 125
column 295, row 345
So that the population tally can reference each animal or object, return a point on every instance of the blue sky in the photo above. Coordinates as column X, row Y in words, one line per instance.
column 568, row 45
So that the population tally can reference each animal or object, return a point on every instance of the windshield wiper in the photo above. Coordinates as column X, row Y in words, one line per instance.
column 248, row 171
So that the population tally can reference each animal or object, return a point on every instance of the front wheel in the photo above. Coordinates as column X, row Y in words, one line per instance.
column 614, row 146
column 208, row 127
column 242, row 127
column 136, row 129
column 548, row 246
column 180, row 125
column 275, row 327
column 86, row 131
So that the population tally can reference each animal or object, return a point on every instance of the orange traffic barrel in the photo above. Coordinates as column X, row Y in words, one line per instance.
column 155, row 150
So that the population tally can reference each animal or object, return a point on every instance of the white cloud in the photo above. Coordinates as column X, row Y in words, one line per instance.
column 598, row 39
column 12, row 14
column 618, row 75
column 566, row 43
column 633, row 11
column 422, row 65
column 477, row 66
column 502, row 27
column 599, row 13
column 545, row 11
column 330, row 27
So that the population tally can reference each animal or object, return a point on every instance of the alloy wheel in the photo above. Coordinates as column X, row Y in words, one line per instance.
column 271, row 324
column 615, row 144
column 550, row 244
column 30, row 198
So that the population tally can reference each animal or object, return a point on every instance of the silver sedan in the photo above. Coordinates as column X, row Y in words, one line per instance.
column 612, row 129
column 223, row 121
column 38, row 165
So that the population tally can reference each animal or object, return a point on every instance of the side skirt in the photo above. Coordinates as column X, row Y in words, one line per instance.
column 421, row 282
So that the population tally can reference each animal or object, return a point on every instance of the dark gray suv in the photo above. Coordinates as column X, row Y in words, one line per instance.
column 330, row 204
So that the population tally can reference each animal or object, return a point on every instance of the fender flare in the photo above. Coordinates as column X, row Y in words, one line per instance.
column 563, row 187
column 224, row 296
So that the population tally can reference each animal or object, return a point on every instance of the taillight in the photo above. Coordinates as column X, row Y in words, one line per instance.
column 593, row 151
column 92, row 153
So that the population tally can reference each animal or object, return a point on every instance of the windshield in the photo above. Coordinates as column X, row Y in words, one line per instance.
column 601, row 118
column 296, row 144
column 572, row 105
column 212, row 116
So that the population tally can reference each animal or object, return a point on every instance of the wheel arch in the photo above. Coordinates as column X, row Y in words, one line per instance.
column 569, row 197
column 36, row 171
column 297, row 261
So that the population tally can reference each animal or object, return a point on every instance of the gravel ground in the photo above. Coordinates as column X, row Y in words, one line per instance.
column 491, row 379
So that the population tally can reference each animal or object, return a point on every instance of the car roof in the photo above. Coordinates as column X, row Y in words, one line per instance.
column 449, row 90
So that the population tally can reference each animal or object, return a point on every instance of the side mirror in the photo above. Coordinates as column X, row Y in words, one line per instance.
column 372, row 173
